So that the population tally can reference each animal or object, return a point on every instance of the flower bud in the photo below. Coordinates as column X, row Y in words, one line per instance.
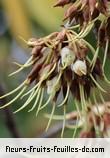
column 92, row 4
column 36, row 51
column 62, row 3
column 70, row 12
column 67, row 56
column 100, row 110
column 53, row 85
column 79, row 67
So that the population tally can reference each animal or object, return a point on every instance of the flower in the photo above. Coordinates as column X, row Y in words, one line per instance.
column 53, row 85
column 58, row 68
column 98, row 122
column 67, row 56
column 60, row 63
column 79, row 67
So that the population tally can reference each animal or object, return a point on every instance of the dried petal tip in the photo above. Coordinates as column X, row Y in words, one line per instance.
column 79, row 67
column 62, row 3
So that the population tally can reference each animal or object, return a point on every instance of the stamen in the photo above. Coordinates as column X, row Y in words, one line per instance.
column 21, row 67
column 64, row 121
column 83, row 103
column 66, row 97
column 49, row 99
column 52, row 113
column 96, row 83
column 40, row 102
column 61, row 117
column 105, row 54
column 70, row 126
column 20, row 37
column 89, row 46
column 101, row 97
column 83, row 33
column 48, row 57
column 87, row 30
column 47, row 44
column 81, row 96
column 36, row 101
column 13, row 100
column 77, row 108
column 28, row 101
column 76, row 128
column 94, row 58
column 97, row 130
column 15, row 90
column 56, row 117
column 73, row 27
column 105, row 78
column 88, row 60
column 96, row 104
column 32, row 89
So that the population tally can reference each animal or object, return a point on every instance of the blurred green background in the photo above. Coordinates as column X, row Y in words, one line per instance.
column 25, row 18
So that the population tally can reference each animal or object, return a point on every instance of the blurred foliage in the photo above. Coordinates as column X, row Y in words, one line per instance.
column 21, row 14
column 23, row 18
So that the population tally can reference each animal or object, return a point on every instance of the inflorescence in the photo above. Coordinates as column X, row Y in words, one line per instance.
column 61, row 64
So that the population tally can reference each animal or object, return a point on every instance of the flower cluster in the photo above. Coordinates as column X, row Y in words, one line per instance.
column 90, row 15
column 60, row 62
column 98, row 122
